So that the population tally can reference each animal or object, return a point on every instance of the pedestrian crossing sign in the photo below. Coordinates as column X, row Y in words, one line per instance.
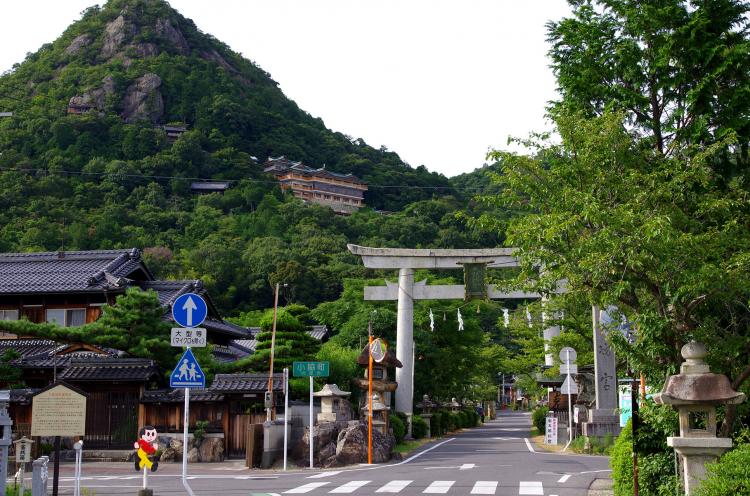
column 187, row 373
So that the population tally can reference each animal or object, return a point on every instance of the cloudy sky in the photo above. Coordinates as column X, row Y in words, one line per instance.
column 437, row 81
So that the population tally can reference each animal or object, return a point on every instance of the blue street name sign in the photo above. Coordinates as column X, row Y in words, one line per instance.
column 189, row 310
column 310, row 369
column 187, row 373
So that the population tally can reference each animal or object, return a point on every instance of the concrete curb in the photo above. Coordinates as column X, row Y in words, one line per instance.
column 601, row 487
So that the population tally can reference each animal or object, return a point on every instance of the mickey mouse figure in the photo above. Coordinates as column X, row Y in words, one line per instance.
column 146, row 447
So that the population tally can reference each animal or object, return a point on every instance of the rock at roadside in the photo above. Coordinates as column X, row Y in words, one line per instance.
column 211, row 449
column 352, row 446
column 193, row 455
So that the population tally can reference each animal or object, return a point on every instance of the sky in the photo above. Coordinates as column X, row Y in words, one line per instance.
column 439, row 82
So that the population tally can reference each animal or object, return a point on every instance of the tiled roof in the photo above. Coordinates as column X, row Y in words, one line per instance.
column 229, row 353
column 29, row 347
column 210, row 185
column 246, row 344
column 245, row 383
column 22, row 396
column 110, row 369
column 177, row 395
column 68, row 272
column 43, row 353
column 319, row 332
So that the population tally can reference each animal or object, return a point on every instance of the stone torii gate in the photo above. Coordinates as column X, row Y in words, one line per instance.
column 406, row 291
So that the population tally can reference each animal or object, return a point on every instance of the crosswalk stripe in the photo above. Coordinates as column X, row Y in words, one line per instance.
column 484, row 487
column 325, row 474
column 439, row 487
column 350, row 487
column 306, row 488
column 394, row 486
column 531, row 488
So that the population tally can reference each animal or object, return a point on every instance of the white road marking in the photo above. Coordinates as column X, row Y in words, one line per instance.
column 349, row 487
column 484, row 487
column 306, row 488
column 595, row 471
column 531, row 487
column 506, row 438
column 528, row 445
column 466, row 466
column 564, row 478
column 394, row 486
column 325, row 474
column 413, row 457
column 439, row 487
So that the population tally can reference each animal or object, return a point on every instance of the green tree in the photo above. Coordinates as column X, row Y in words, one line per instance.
column 660, row 237
column 675, row 68
column 292, row 343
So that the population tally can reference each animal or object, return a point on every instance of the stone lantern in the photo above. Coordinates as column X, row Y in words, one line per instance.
column 5, row 423
column 454, row 405
column 695, row 392
column 334, row 406
column 426, row 405
column 382, row 386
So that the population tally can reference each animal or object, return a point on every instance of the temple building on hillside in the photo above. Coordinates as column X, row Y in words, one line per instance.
column 344, row 193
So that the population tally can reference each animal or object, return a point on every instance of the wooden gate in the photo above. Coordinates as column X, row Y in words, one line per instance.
column 236, row 438
column 111, row 420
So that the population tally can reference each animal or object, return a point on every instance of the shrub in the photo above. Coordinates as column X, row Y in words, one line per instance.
column 418, row 427
column 435, row 427
column 730, row 475
column 538, row 417
column 454, row 421
column 399, row 428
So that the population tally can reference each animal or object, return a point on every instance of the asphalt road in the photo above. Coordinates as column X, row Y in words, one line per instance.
column 494, row 459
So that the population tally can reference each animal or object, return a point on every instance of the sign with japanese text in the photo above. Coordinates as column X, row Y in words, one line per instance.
column 550, row 433
column 23, row 450
column 58, row 411
column 193, row 337
column 310, row 369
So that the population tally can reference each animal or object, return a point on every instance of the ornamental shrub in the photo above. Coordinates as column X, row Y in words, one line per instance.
column 399, row 429
column 538, row 418
column 418, row 427
column 728, row 476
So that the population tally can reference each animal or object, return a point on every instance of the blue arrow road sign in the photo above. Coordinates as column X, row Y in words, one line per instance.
column 187, row 373
column 189, row 310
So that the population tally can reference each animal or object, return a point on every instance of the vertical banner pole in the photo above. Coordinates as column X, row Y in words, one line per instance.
column 369, row 394
column 286, row 410
column 311, row 422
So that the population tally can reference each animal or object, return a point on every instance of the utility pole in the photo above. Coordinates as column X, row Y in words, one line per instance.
column 270, row 409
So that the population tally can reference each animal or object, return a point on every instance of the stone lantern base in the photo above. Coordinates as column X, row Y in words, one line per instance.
column 696, row 452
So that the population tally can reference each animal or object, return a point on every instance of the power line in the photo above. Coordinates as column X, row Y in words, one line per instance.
column 28, row 170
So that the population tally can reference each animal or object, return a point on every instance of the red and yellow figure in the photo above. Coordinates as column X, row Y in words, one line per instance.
column 146, row 447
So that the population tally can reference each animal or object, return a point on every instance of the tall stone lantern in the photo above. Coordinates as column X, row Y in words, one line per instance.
column 5, row 437
column 695, row 392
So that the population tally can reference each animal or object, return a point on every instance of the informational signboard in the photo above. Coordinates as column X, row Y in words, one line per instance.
column 187, row 373
column 189, row 310
column 58, row 411
column 192, row 337
column 310, row 369
column 550, row 433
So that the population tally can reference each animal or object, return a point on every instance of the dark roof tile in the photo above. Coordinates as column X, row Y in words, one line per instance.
column 246, row 383
column 110, row 369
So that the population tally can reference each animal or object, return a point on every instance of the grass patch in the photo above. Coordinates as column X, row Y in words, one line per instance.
column 405, row 447
column 592, row 445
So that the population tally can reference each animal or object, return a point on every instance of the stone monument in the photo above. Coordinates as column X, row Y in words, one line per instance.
column 695, row 392
column 603, row 419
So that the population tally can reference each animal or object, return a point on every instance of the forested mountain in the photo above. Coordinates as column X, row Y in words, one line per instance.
column 85, row 163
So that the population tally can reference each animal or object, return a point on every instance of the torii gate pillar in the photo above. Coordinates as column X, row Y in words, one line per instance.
column 405, row 341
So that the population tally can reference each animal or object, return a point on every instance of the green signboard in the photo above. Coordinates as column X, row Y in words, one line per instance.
column 310, row 369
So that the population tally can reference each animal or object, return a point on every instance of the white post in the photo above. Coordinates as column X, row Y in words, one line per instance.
column 286, row 410
column 186, row 419
column 405, row 341
column 145, row 477
column 570, row 399
column 78, row 446
column 311, row 422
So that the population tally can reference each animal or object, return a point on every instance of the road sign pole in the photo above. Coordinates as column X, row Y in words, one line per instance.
column 570, row 396
column 186, row 419
column 286, row 410
column 312, row 431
